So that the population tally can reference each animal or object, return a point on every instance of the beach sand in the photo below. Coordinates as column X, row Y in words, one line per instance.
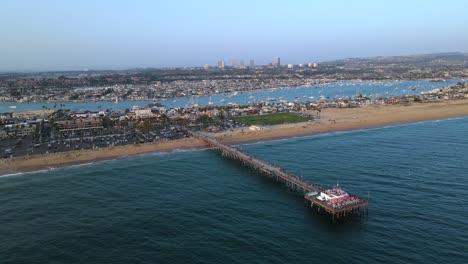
column 332, row 119
column 54, row 160
column 336, row 119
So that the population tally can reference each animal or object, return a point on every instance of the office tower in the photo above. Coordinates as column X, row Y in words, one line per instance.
column 234, row 63
column 221, row 64
column 242, row 63
column 276, row 62
column 251, row 63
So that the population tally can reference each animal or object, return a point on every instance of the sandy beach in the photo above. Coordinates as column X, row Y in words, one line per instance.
column 336, row 119
column 332, row 119
column 54, row 160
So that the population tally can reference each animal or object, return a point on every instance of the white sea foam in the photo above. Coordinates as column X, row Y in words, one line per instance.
column 28, row 172
column 84, row 164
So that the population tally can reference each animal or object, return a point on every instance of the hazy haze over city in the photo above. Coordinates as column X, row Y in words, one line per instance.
column 76, row 35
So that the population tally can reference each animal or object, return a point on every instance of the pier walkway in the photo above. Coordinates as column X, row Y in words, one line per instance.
column 311, row 190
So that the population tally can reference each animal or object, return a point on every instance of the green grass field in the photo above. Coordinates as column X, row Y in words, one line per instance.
column 271, row 119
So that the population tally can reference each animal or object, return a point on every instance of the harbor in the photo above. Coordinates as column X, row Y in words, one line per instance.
column 334, row 202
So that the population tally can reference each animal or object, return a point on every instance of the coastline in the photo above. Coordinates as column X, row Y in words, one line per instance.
column 76, row 157
column 348, row 119
column 332, row 120
column 324, row 82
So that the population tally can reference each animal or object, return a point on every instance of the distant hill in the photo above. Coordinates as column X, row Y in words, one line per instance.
column 439, row 59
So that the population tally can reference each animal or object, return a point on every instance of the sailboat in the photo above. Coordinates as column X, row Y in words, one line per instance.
column 210, row 102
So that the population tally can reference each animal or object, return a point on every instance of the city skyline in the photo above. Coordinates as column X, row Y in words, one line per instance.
column 50, row 35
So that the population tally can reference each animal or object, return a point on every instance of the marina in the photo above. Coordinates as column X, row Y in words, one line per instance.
column 321, row 92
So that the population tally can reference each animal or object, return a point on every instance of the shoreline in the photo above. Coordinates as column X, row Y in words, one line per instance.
column 350, row 119
column 326, row 82
column 77, row 157
column 332, row 120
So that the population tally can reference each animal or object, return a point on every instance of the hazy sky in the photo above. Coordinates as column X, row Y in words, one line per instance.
column 99, row 34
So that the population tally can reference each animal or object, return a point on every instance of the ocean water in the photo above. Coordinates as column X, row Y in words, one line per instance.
column 329, row 91
column 196, row 207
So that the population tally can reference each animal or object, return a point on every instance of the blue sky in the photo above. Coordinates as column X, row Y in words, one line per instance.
column 82, row 34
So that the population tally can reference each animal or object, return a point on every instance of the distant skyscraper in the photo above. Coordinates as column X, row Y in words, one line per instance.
column 251, row 63
column 221, row 64
column 276, row 62
column 234, row 63
column 242, row 63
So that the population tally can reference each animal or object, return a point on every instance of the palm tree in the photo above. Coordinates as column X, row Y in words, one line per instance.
column 146, row 126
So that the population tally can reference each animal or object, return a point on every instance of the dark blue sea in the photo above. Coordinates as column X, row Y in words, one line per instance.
column 196, row 207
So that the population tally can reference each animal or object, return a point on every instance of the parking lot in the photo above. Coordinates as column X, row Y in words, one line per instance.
column 79, row 141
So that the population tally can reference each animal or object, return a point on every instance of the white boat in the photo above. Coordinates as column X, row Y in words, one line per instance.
column 13, row 106
column 210, row 102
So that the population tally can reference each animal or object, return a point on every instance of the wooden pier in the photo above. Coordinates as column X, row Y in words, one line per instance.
column 309, row 189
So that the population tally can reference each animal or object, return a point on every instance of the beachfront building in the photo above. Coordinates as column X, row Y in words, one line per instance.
column 337, row 198
column 80, row 124
column 143, row 113
column 333, row 194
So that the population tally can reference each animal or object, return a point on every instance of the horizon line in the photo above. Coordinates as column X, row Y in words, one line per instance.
column 116, row 68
